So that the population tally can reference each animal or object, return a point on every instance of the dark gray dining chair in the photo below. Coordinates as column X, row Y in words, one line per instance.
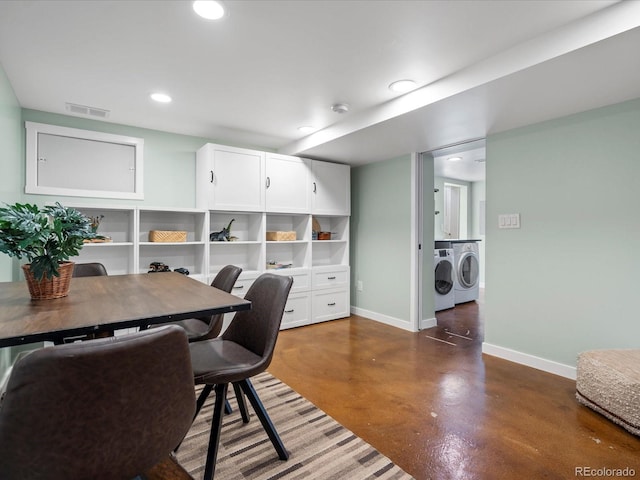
column 93, row 269
column 105, row 409
column 242, row 351
column 209, row 327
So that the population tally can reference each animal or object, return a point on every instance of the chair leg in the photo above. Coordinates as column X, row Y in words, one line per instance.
column 206, row 390
column 216, row 425
column 203, row 397
column 242, row 405
column 251, row 394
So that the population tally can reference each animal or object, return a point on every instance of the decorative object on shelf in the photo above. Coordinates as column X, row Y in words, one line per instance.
column 99, row 239
column 167, row 236
column 315, row 228
column 281, row 236
column 158, row 267
column 46, row 237
column 273, row 265
column 324, row 235
column 95, row 224
column 181, row 270
column 223, row 235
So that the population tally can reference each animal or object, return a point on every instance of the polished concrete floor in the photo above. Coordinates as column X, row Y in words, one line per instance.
column 440, row 409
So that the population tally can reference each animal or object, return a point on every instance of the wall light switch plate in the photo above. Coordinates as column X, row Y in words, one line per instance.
column 509, row 220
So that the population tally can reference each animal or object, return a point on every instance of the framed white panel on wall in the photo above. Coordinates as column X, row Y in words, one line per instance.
column 82, row 163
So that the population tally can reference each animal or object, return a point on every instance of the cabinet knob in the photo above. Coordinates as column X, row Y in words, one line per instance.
column 315, row 187
column 331, row 278
column 331, row 304
column 268, row 182
column 289, row 311
column 239, row 287
column 211, row 176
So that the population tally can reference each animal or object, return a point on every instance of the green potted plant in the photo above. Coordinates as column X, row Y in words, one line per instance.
column 46, row 237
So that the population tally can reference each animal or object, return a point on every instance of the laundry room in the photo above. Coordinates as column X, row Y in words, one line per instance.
column 459, row 223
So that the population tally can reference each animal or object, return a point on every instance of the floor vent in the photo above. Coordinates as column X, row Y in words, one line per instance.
column 85, row 110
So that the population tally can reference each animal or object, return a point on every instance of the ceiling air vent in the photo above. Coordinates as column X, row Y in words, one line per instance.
column 85, row 110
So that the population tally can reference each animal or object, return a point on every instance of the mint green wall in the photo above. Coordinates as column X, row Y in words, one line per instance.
column 380, row 237
column 11, row 151
column 567, row 280
column 169, row 161
column 10, row 155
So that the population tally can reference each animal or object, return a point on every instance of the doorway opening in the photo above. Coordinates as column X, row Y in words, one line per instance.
column 458, row 186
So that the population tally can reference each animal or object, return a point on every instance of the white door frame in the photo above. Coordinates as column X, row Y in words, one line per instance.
column 417, row 243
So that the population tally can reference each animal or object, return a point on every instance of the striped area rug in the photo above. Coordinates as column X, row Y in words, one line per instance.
column 318, row 446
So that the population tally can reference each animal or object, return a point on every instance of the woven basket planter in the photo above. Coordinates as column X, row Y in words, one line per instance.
column 49, row 288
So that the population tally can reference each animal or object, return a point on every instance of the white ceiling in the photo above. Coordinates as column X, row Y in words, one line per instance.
column 462, row 162
column 253, row 77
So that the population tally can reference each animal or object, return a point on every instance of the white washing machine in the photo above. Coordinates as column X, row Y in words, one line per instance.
column 467, row 270
column 444, row 279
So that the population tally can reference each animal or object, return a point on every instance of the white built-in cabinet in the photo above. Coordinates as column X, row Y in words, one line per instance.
column 331, row 189
column 288, row 181
column 260, row 192
column 296, row 191
column 229, row 178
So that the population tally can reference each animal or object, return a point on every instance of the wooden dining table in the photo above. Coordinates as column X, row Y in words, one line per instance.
column 97, row 305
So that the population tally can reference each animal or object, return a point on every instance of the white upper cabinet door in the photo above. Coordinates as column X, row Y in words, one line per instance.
column 331, row 188
column 287, row 184
column 230, row 179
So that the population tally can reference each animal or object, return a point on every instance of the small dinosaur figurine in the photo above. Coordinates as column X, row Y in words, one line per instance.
column 222, row 235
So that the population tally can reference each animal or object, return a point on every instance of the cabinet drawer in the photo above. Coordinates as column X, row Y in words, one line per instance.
column 297, row 312
column 301, row 279
column 242, row 286
column 327, row 278
column 330, row 304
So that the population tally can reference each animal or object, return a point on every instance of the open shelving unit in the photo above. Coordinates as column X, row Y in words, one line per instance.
column 190, row 254
column 119, row 224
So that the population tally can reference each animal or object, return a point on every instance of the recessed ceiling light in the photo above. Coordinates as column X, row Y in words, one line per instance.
column 454, row 159
column 209, row 9
column 306, row 129
column 402, row 86
column 160, row 97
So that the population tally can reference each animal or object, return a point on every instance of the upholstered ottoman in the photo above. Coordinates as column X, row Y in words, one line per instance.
column 608, row 381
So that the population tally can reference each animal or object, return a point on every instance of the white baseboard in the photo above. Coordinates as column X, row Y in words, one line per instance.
column 532, row 361
column 428, row 323
column 386, row 319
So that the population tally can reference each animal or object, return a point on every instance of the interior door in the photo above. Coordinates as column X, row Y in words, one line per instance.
column 452, row 211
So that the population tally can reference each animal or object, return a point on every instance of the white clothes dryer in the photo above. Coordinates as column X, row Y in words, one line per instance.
column 467, row 270
column 444, row 279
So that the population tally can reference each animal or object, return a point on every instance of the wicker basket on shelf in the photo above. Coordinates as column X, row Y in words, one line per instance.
column 166, row 236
